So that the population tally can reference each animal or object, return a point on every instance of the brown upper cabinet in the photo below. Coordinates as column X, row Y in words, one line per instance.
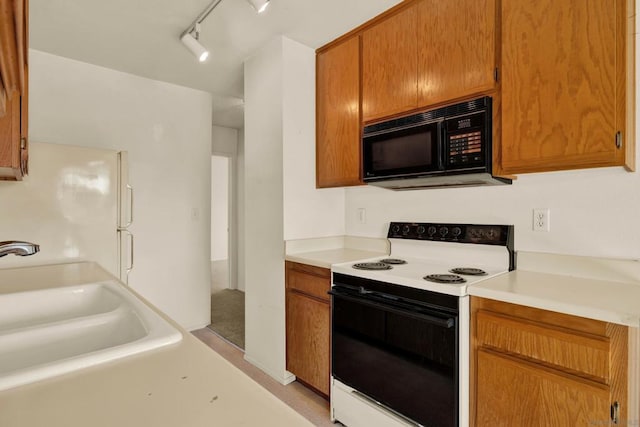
column 338, row 115
column 14, row 81
column 456, row 49
column 561, row 74
column 427, row 53
column 564, row 85
column 390, row 65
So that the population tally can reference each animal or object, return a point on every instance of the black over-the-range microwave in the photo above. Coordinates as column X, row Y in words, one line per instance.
column 446, row 147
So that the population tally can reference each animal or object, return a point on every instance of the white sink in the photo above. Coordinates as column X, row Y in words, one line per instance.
column 50, row 332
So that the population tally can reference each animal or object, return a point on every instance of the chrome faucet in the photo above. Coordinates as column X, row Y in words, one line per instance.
column 18, row 248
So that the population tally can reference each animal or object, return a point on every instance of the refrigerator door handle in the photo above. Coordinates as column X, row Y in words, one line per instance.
column 130, row 266
column 130, row 219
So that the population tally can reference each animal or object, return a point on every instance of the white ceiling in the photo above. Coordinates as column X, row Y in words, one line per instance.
column 142, row 37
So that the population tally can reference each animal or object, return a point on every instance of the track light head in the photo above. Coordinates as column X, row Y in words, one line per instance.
column 194, row 46
column 259, row 5
column 190, row 36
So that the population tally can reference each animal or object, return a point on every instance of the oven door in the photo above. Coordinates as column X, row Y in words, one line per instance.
column 402, row 152
column 402, row 356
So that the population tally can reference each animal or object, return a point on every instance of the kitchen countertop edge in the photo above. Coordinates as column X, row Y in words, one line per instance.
column 325, row 251
column 608, row 301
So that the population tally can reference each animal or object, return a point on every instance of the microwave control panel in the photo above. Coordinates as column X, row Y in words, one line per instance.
column 465, row 143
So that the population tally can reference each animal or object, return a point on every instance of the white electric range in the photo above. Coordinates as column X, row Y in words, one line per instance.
column 400, row 324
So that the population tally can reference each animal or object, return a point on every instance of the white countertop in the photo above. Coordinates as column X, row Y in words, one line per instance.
column 332, row 256
column 588, row 287
column 185, row 384
column 322, row 252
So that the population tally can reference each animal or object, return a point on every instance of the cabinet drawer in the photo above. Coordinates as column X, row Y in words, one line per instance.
column 578, row 353
column 512, row 392
column 312, row 281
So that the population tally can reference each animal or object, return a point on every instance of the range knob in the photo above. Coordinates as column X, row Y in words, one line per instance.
column 444, row 231
column 431, row 230
column 456, row 231
column 420, row 230
column 405, row 229
column 395, row 229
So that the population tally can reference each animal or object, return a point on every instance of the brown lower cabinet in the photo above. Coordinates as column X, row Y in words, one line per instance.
column 308, row 324
column 532, row 367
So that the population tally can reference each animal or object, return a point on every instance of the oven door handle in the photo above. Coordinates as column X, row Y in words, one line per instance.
column 448, row 322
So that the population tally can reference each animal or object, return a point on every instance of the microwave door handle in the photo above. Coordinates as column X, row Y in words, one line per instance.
column 441, row 144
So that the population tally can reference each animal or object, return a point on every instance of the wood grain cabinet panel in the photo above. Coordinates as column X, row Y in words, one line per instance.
column 308, row 324
column 14, row 82
column 338, row 115
column 516, row 393
column 573, row 351
column 563, row 84
column 456, row 49
column 390, row 65
column 532, row 367
column 315, row 283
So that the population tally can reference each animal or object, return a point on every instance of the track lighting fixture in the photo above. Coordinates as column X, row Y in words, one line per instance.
column 259, row 5
column 190, row 40
column 190, row 36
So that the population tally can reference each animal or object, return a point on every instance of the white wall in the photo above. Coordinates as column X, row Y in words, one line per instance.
column 281, row 201
column 167, row 131
column 308, row 212
column 263, row 204
column 219, row 208
column 240, row 216
column 224, row 140
column 594, row 212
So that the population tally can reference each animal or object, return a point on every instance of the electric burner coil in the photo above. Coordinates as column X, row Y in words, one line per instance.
column 393, row 261
column 445, row 278
column 372, row 266
column 468, row 271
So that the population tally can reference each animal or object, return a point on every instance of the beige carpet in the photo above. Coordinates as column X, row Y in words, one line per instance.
column 227, row 315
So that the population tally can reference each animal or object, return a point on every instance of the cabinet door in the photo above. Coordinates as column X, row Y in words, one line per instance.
column 390, row 66
column 563, row 80
column 456, row 49
column 308, row 340
column 338, row 115
column 516, row 393
column 10, row 140
column 13, row 89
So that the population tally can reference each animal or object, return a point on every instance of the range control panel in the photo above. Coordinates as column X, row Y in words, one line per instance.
column 460, row 233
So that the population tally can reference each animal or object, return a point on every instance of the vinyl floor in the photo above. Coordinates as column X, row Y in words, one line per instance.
column 301, row 399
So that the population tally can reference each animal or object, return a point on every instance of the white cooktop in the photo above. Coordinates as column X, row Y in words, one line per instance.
column 424, row 258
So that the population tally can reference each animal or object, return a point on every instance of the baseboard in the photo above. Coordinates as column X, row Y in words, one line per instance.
column 285, row 379
column 195, row 328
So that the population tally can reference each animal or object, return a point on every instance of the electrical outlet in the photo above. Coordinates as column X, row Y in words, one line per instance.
column 541, row 220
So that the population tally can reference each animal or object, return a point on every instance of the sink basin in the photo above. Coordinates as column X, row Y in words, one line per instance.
column 50, row 332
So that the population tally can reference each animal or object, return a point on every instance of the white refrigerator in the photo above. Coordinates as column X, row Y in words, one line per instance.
column 76, row 203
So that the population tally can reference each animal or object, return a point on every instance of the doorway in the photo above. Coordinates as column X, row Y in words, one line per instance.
column 227, row 302
column 220, row 183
